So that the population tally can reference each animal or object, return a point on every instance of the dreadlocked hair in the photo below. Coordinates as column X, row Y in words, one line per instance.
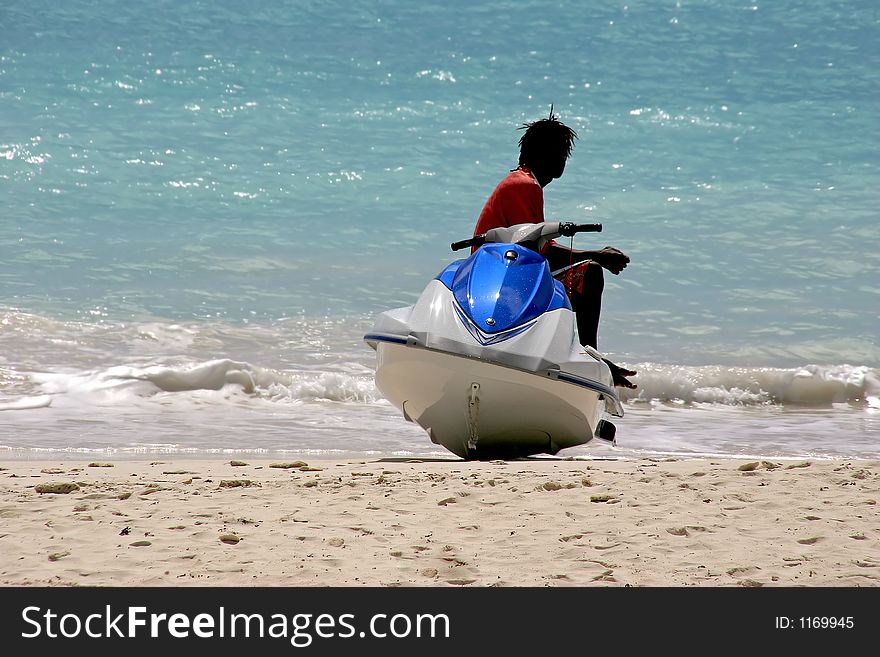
column 545, row 138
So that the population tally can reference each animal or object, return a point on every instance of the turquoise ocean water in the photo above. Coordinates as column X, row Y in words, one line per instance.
column 206, row 203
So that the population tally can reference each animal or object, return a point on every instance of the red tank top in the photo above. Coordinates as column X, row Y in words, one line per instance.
column 518, row 199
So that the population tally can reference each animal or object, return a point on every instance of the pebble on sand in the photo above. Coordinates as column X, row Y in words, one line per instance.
column 287, row 466
column 56, row 487
column 236, row 483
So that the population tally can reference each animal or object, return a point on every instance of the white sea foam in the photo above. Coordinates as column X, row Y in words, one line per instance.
column 122, row 382
column 811, row 385
column 183, row 406
column 25, row 403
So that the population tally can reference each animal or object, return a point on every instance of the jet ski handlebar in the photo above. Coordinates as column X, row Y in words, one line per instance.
column 476, row 240
column 565, row 228
column 568, row 228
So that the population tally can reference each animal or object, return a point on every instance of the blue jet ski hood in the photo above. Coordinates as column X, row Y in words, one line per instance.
column 502, row 286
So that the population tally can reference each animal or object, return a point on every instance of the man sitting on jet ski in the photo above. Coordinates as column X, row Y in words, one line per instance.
column 545, row 146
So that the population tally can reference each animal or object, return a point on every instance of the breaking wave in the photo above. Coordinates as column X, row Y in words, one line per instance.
column 811, row 385
column 215, row 375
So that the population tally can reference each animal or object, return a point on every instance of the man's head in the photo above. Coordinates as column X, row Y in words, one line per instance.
column 545, row 146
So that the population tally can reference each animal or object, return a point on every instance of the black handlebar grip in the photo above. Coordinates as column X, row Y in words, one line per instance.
column 477, row 240
column 568, row 229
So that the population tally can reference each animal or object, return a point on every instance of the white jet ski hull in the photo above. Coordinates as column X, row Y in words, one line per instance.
column 487, row 396
column 478, row 409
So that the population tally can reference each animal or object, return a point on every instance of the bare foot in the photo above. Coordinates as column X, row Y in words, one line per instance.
column 619, row 374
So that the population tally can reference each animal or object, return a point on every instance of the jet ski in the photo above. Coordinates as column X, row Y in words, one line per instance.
column 487, row 361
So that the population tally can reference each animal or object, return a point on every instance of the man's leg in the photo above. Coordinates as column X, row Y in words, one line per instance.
column 586, row 297
column 586, row 301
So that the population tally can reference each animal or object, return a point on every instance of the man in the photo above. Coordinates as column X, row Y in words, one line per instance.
column 545, row 146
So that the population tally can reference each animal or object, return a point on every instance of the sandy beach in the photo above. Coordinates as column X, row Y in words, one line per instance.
column 392, row 522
